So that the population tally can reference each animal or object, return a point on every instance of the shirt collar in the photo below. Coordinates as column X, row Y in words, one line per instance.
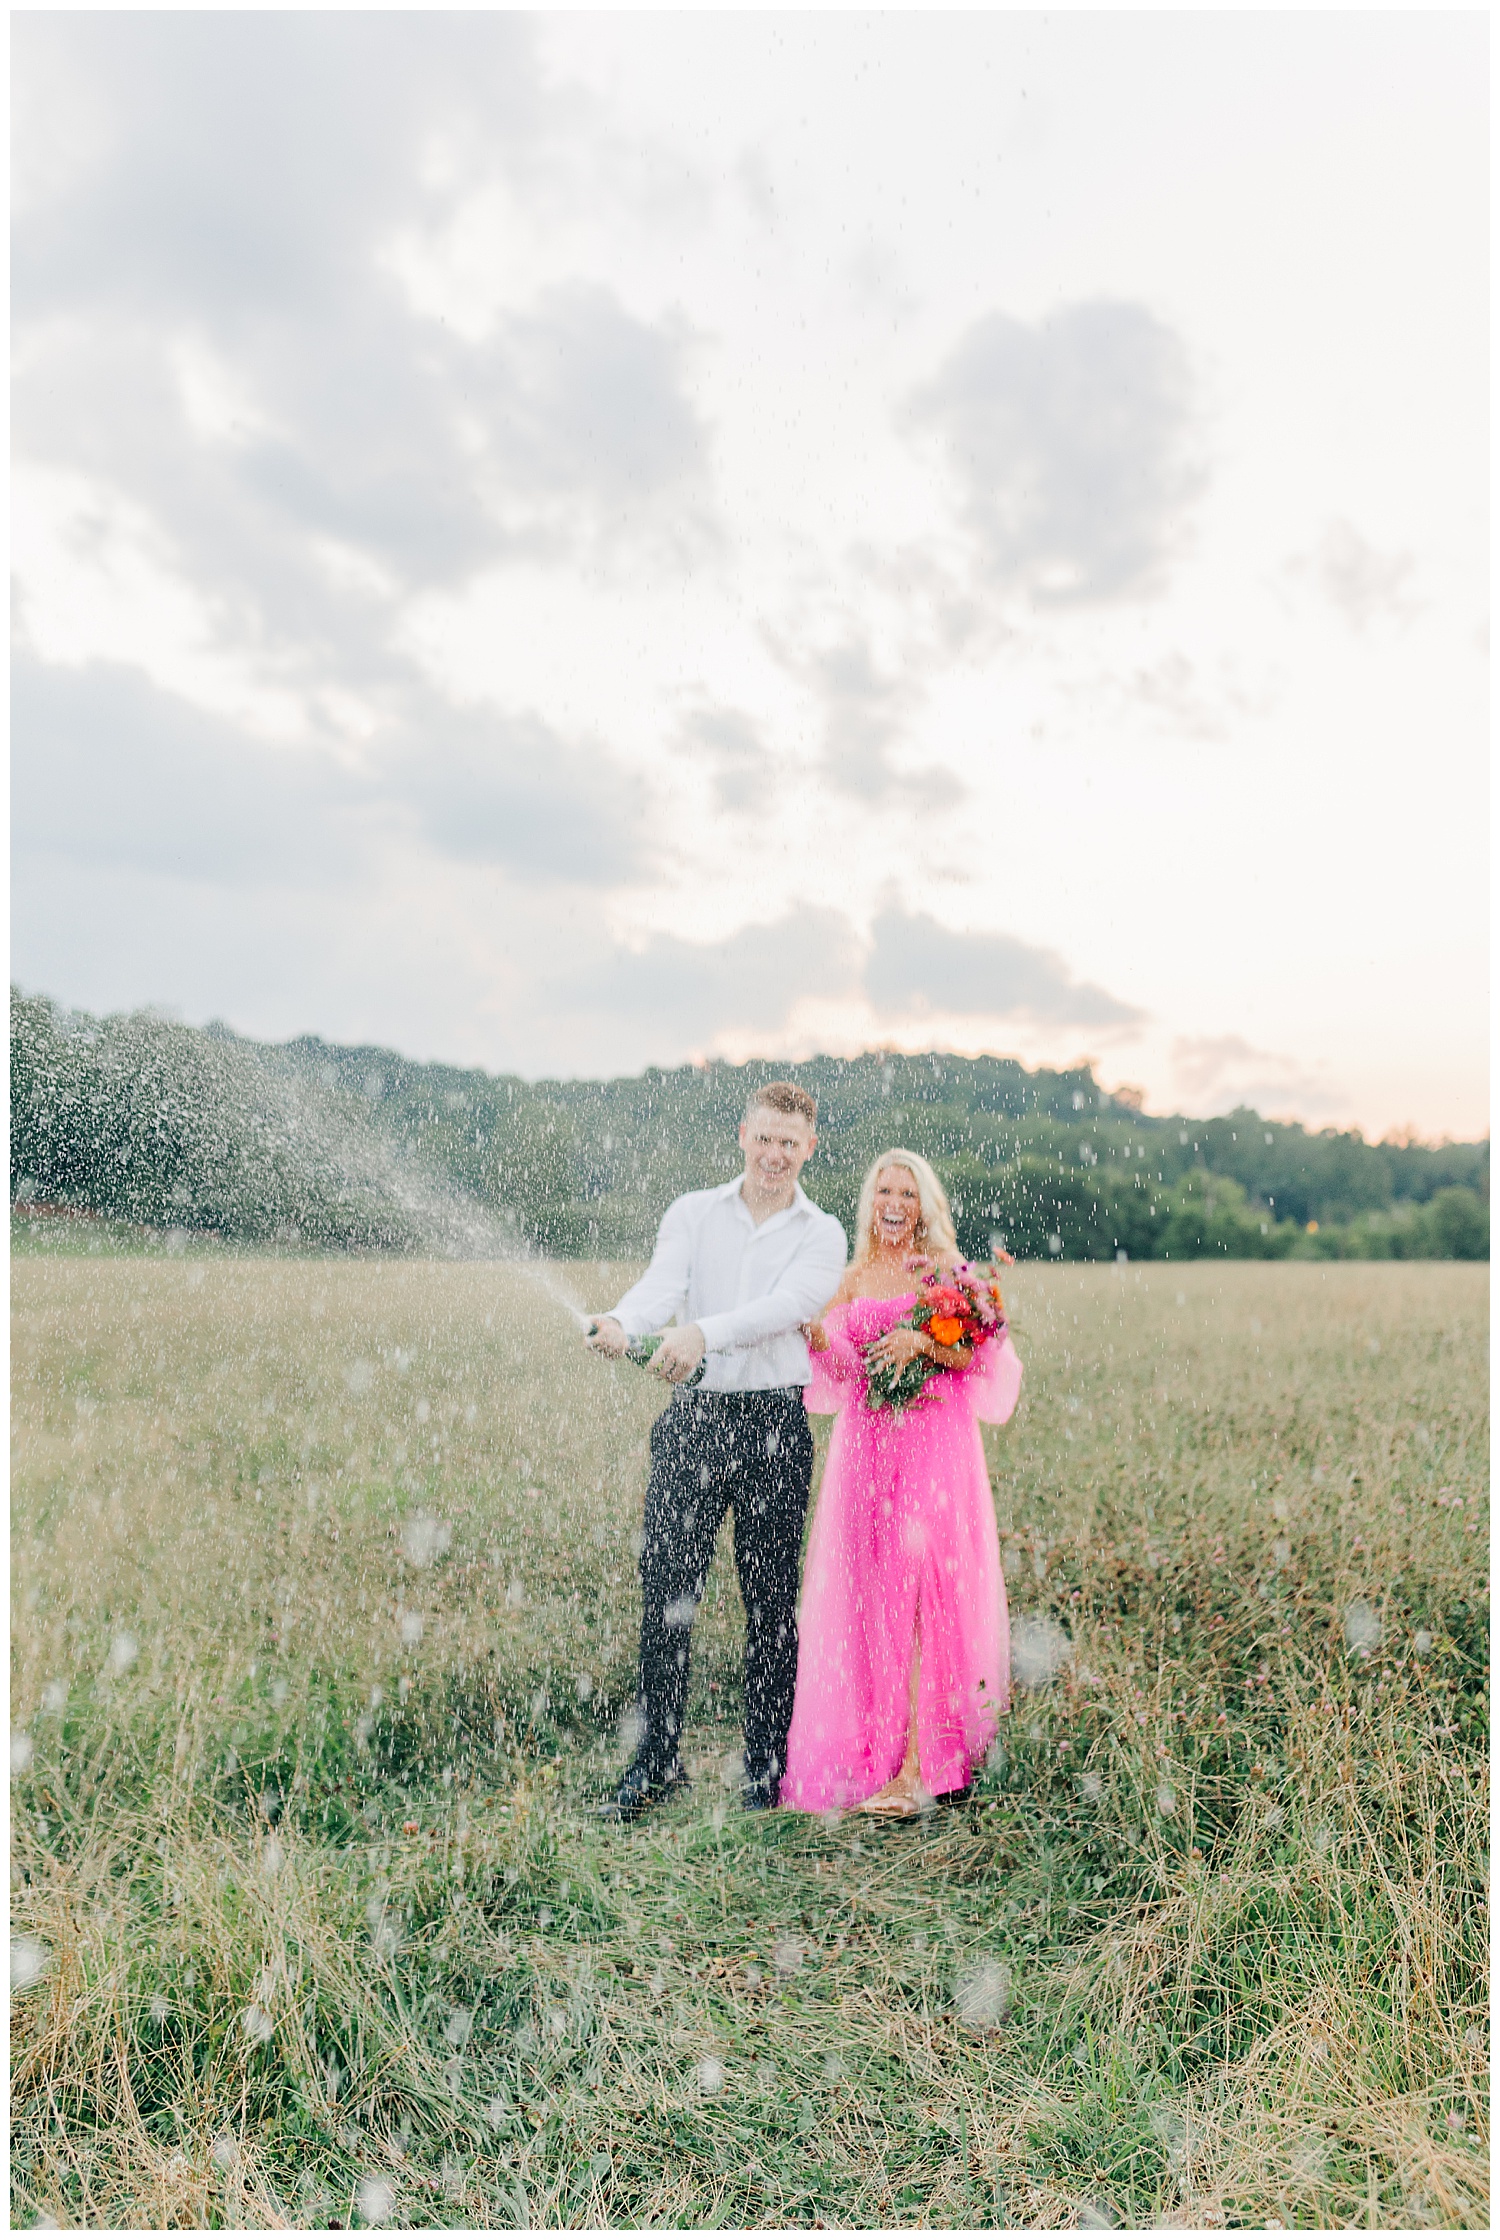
column 801, row 1203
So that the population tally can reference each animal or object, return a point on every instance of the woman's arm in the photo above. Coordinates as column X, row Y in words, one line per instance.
column 814, row 1331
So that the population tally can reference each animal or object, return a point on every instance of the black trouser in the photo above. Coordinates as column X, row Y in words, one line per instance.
column 711, row 1450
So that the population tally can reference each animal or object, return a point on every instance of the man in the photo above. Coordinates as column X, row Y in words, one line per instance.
column 741, row 1268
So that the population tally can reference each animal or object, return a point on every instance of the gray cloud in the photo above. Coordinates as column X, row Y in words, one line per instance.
column 107, row 770
column 917, row 965
column 241, row 181
column 1068, row 445
column 863, row 712
column 910, row 967
column 692, row 990
column 229, row 184
column 729, row 746
column 511, row 792
column 866, row 711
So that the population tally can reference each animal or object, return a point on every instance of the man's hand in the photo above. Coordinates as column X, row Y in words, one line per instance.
column 607, row 1338
column 679, row 1353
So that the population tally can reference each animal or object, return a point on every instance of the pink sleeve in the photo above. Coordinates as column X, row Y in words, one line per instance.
column 994, row 1379
column 836, row 1371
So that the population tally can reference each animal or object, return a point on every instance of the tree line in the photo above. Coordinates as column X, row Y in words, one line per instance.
column 141, row 1118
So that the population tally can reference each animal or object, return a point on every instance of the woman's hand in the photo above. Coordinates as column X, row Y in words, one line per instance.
column 816, row 1336
column 899, row 1346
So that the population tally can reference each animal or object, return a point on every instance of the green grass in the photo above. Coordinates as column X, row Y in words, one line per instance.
column 1208, row 1948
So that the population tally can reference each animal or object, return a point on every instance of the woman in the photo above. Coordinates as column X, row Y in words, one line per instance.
column 904, row 1664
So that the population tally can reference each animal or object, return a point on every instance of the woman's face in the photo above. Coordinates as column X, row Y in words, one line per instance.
column 898, row 1208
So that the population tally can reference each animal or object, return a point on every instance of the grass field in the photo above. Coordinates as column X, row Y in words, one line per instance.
column 324, row 1608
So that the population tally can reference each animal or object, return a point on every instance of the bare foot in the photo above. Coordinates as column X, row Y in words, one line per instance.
column 901, row 1799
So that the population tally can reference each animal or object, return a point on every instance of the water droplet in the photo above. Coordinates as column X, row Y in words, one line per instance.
column 981, row 1995
column 377, row 2200
column 1362, row 1627
column 20, row 1751
column 225, row 2151
column 710, row 2076
column 459, row 2027
column 160, row 2009
column 123, row 1651
column 1166, row 1799
column 1039, row 1648
column 424, row 1539
column 786, row 1955
column 257, row 2025
column 29, row 1962
column 411, row 1628
column 1422, row 1641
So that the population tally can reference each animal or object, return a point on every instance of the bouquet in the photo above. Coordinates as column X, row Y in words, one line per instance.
column 960, row 1308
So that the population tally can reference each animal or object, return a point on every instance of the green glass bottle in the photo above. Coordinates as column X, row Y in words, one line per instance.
column 642, row 1351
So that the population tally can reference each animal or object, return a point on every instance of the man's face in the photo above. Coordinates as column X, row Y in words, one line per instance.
column 777, row 1146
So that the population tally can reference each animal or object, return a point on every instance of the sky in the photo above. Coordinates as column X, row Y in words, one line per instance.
column 567, row 543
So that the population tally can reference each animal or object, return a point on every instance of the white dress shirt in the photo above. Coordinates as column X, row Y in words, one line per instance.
column 747, row 1284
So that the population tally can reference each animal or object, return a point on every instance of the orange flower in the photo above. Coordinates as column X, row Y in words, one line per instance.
column 946, row 1329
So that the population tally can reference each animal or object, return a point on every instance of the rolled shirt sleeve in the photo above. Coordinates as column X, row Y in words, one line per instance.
column 803, row 1291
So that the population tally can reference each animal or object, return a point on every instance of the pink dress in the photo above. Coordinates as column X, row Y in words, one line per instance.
column 903, row 1536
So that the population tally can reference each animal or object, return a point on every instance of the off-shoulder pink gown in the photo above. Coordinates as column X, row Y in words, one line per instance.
column 904, row 1533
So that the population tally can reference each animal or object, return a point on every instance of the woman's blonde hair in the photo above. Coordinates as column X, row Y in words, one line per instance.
column 935, row 1231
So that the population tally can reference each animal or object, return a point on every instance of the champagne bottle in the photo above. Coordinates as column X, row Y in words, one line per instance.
column 642, row 1351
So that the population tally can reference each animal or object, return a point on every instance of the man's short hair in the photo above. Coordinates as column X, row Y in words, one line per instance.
column 783, row 1096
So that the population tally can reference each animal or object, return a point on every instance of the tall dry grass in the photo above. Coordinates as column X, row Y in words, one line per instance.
column 325, row 1602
